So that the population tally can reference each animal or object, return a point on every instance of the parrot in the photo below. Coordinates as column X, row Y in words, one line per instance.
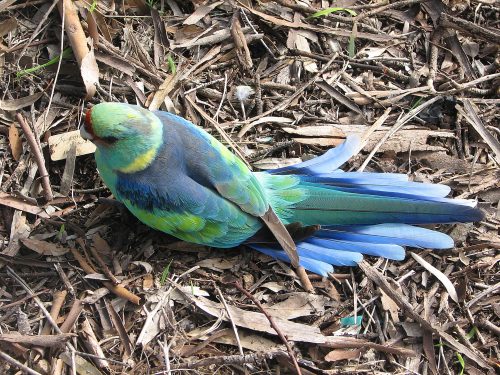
column 178, row 179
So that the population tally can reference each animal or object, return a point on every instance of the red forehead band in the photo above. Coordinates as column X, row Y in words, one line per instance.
column 88, row 122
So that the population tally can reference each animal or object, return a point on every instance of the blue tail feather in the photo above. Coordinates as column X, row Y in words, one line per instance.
column 389, row 251
column 363, row 213
column 371, row 182
column 316, row 266
column 399, row 234
column 329, row 161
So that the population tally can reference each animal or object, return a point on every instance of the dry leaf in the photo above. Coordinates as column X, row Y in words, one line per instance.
column 92, row 27
column 273, row 163
column 273, row 286
column 219, row 264
column 258, row 322
column 15, row 142
column 302, row 44
column 324, row 142
column 248, row 340
column 338, row 96
column 200, row 12
column 44, row 247
column 7, row 26
column 389, row 305
column 15, row 104
column 147, row 281
column 121, row 65
column 90, row 73
column 450, row 288
column 299, row 304
column 271, row 119
column 101, row 245
column 19, row 204
column 83, row 367
column 96, row 276
column 147, row 267
column 154, row 322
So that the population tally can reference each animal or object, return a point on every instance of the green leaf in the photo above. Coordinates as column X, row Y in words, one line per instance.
column 351, row 47
column 93, row 6
column 171, row 64
column 61, row 232
column 66, row 53
column 327, row 11
column 165, row 273
column 462, row 363
column 471, row 333
column 417, row 103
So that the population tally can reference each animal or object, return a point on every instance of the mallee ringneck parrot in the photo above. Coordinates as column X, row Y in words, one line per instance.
column 176, row 178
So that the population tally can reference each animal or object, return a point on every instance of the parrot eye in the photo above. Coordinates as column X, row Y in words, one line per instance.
column 109, row 139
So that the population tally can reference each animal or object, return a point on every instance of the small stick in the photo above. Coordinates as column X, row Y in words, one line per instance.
column 273, row 324
column 230, row 317
column 116, row 289
column 484, row 323
column 258, row 95
column 103, row 266
column 227, row 360
column 304, row 279
column 72, row 317
column 57, row 303
column 40, row 161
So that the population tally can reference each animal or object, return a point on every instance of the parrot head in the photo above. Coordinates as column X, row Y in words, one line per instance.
column 128, row 137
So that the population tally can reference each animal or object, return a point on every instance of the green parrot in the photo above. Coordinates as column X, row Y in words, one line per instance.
column 178, row 179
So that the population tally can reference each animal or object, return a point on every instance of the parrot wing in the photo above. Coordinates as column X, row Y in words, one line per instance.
column 172, row 202
column 212, row 165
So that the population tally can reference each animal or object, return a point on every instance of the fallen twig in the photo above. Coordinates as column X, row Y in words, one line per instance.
column 228, row 360
column 304, row 279
column 273, row 324
column 119, row 290
column 40, row 161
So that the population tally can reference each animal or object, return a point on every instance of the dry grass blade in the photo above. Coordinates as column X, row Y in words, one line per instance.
column 398, row 125
column 35, row 149
column 15, row 104
column 470, row 114
column 439, row 275
column 337, row 95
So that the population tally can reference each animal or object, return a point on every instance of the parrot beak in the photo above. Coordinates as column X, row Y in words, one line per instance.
column 85, row 134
